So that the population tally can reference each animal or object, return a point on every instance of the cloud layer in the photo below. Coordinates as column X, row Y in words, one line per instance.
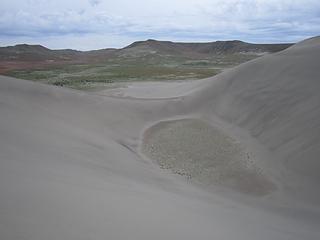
column 104, row 23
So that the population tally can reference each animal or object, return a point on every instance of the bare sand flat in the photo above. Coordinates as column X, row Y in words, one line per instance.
column 71, row 166
column 152, row 90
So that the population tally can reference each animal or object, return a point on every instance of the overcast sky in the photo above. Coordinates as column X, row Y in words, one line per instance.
column 93, row 24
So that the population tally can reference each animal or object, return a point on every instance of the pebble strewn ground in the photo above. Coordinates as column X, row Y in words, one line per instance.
column 205, row 154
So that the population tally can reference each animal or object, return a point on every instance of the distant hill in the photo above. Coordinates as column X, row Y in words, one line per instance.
column 25, row 52
column 150, row 59
column 218, row 47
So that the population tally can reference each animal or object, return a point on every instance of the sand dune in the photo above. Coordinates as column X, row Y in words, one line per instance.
column 276, row 99
column 74, row 165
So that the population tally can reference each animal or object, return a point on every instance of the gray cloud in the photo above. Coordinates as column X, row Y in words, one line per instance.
column 94, row 2
column 193, row 20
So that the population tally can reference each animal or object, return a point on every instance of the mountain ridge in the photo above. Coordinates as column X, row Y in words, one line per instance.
column 21, row 51
column 216, row 47
column 151, row 59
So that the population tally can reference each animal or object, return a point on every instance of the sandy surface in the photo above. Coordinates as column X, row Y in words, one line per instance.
column 71, row 165
column 152, row 90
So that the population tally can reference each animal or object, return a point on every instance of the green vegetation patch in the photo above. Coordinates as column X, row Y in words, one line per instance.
column 122, row 69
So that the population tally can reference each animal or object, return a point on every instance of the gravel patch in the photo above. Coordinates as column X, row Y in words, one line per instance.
column 205, row 154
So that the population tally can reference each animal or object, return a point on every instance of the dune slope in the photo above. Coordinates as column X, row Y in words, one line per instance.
column 276, row 99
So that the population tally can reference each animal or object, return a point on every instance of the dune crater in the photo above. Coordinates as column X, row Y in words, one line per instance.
column 204, row 154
